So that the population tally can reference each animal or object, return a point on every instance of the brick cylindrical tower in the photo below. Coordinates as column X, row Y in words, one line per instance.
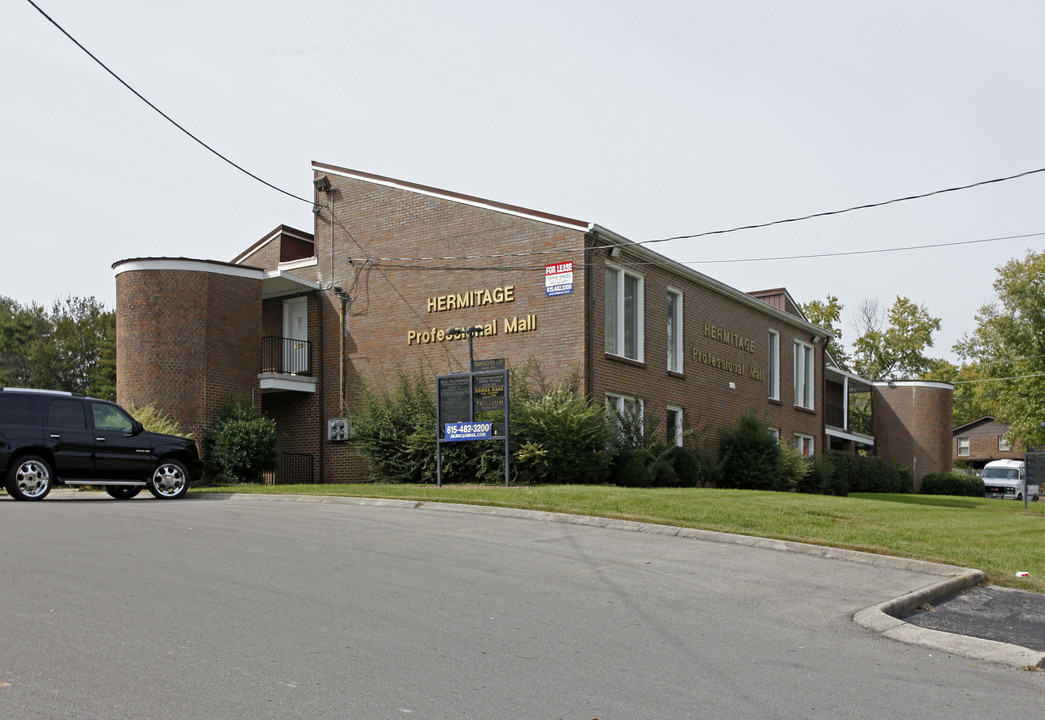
column 188, row 336
column 912, row 422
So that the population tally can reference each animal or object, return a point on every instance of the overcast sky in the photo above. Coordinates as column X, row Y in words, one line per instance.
column 653, row 119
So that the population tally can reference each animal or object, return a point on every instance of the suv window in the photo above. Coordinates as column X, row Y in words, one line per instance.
column 66, row 414
column 17, row 409
column 110, row 417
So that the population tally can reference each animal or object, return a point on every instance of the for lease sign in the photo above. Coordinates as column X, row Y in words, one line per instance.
column 558, row 278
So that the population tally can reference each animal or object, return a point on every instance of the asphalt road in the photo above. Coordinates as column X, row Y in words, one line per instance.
column 245, row 609
column 990, row 612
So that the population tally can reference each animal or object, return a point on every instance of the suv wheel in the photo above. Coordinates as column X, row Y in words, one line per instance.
column 170, row 480
column 29, row 479
column 122, row 492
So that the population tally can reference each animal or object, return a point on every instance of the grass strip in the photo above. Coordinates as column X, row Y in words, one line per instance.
column 998, row 537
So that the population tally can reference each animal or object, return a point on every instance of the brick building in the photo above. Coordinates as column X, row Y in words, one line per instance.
column 982, row 440
column 297, row 320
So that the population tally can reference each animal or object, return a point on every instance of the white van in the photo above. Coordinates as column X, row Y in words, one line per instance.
column 1004, row 479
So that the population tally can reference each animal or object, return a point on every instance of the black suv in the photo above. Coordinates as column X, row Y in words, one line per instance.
column 49, row 437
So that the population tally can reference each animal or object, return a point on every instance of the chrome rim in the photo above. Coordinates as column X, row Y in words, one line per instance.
column 33, row 479
column 168, row 480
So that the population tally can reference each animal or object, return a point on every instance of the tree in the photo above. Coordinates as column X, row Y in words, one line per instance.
column 827, row 313
column 896, row 350
column 972, row 399
column 72, row 347
column 21, row 327
column 1008, row 346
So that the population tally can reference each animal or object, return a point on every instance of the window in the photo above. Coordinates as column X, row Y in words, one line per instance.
column 674, row 330
column 624, row 313
column 628, row 414
column 1003, row 444
column 804, row 444
column 774, row 365
column 66, row 414
column 775, row 432
column 110, row 417
column 805, row 375
column 673, row 435
column 963, row 447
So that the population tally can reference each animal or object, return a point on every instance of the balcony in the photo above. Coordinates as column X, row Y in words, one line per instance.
column 286, row 365
column 847, row 409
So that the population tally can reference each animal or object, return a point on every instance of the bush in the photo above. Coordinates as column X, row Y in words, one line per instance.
column 395, row 430
column 822, row 479
column 866, row 473
column 561, row 438
column 155, row 420
column 557, row 436
column 794, row 467
column 241, row 445
column 750, row 456
column 952, row 483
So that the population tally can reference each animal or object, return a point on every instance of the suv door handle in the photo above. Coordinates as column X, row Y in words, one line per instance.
column 56, row 436
column 99, row 439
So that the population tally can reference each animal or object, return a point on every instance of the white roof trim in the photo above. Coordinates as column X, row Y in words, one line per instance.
column 846, row 374
column 452, row 197
column 279, row 283
column 710, row 283
column 855, row 437
column 294, row 264
column 914, row 383
column 188, row 265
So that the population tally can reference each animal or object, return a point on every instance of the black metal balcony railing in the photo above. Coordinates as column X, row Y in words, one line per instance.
column 286, row 355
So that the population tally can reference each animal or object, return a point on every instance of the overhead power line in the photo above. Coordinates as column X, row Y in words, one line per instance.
column 165, row 116
column 849, row 209
column 707, row 233
column 560, row 251
column 1014, row 377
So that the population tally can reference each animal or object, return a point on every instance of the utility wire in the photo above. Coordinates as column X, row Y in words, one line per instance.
column 163, row 114
column 1014, row 377
column 642, row 242
column 531, row 253
column 849, row 209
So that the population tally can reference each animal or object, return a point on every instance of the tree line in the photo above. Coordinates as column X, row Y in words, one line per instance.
column 69, row 346
column 1001, row 364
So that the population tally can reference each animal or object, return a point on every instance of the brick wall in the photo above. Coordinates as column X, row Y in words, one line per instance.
column 187, row 339
column 983, row 444
column 394, row 316
column 912, row 422
column 711, row 396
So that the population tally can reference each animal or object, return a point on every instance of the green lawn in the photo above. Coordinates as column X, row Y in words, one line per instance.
column 996, row 536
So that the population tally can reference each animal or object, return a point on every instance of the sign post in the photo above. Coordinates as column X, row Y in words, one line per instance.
column 460, row 396
column 1033, row 468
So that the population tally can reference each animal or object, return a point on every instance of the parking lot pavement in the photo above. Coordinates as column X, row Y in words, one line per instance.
column 988, row 612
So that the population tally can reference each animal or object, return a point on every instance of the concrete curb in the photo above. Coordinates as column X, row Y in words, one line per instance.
column 877, row 618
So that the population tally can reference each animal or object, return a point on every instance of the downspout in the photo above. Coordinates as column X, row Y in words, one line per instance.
column 589, row 311
column 341, row 365
column 319, row 399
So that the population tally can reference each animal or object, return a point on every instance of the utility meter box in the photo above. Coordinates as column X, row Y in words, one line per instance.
column 339, row 430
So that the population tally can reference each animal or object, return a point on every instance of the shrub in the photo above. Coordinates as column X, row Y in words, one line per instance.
column 561, row 437
column 241, row 445
column 395, row 430
column 750, row 456
column 952, row 483
column 794, row 467
column 866, row 473
column 557, row 436
column 155, row 420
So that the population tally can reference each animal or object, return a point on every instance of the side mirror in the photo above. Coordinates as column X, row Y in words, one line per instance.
column 137, row 428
